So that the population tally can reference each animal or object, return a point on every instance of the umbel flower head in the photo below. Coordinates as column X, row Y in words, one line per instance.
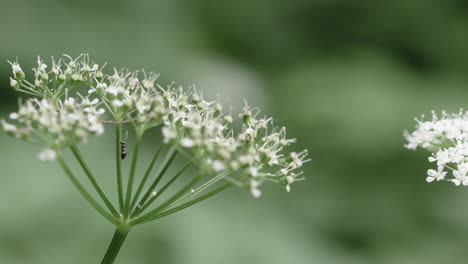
column 58, row 116
column 55, row 125
column 446, row 138
column 70, row 100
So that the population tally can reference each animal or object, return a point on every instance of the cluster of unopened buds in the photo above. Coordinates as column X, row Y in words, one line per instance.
column 446, row 138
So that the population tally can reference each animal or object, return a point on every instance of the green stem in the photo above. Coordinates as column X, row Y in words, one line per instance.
column 85, row 193
column 118, row 162
column 142, row 208
column 114, row 247
column 84, row 165
column 169, row 202
column 132, row 174
column 201, row 188
column 183, row 206
column 145, row 177
column 169, row 159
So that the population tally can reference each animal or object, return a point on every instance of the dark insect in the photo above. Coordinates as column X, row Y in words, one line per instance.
column 123, row 154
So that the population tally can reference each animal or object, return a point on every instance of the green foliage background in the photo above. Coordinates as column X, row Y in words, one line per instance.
column 345, row 77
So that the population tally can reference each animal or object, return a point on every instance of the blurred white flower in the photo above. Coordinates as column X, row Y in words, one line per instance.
column 13, row 82
column 254, row 190
column 438, row 174
column 47, row 155
column 447, row 140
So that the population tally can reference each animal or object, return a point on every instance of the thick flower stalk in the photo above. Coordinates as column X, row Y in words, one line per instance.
column 446, row 138
column 73, row 99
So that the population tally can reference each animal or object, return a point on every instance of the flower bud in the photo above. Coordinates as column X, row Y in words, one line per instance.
column 20, row 76
column 13, row 83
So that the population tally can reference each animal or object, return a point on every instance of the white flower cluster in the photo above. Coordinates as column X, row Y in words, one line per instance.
column 126, row 95
column 257, row 151
column 193, row 123
column 447, row 139
column 53, row 81
column 251, row 157
column 55, row 125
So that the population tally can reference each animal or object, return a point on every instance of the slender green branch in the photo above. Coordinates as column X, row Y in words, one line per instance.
column 142, row 208
column 114, row 247
column 167, row 162
column 118, row 163
column 28, row 92
column 183, row 206
column 169, row 202
column 85, row 193
column 145, row 177
column 132, row 174
column 202, row 187
column 84, row 165
column 111, row 249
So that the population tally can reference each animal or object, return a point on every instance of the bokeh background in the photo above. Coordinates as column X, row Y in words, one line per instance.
column 346, row 78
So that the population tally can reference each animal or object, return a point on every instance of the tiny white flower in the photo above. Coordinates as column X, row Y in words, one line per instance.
column 76, row 77
column 218, row 165
column 168, row 134
column 112, row 90
column 101, row 85
column 94, row 68
column 16, row 68
column 228, row 119
column 284, row 171
column 438, row 174
column 253, row 171
column 187, row 143
column 254, row 190
column 148, row 84
column 117, row 103
column 47, row 155
column 8, row 127
column 14, row 116
column 234, row 165
column 13, row 82
column 256, row 193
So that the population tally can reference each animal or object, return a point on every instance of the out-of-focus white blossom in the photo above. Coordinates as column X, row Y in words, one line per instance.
column 437, row 175
column 439, row 132
column 47, row 155
column 446, row 137
column 13, row 82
